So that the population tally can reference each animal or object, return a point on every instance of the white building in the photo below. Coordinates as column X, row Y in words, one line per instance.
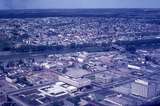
column 11, row 79
column 57, row 90
column 134, row 67
column 143, row 88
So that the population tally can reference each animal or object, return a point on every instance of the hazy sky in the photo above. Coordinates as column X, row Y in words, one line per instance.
column 20, row 4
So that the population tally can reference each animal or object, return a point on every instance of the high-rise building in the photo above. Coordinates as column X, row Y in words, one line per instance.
column 143, row 88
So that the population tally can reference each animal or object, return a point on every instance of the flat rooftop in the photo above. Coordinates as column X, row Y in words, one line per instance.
column 38, row 96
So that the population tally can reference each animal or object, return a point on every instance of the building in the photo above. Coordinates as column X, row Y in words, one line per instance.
column 134, row 67
column 120, row 100
column 103, row 78
column 143, row 88
column 11, row 79
column 46, row 95
column 77, row 82
column 124, row 89
column 57, row 90
column 76, row 72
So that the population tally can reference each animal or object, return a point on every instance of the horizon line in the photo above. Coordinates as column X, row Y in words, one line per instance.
column 74, row 8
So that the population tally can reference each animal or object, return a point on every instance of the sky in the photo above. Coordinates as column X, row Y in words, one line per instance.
column 41, row 4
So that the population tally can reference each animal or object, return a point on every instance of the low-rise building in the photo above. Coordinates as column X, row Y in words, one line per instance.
column 120, row 100
column 103, row 78
column 57, row 90
column 11, row 79
column 79, row 82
